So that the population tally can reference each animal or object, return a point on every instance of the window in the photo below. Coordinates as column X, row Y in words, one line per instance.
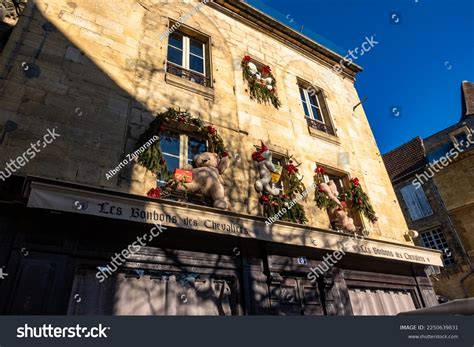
column 416, row 202
column 179, row 150
column 459, row 137
column 188, row 56
column 341, row 180
column 168, row 293
column 380, row 302
column 435, row 239
column 315, row 109
column 278, row 162
column 338, row 181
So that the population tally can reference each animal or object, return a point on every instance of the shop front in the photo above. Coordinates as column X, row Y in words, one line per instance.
column 78, row 250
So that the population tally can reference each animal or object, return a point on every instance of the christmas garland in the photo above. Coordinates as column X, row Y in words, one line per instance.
column 322, row 200
column 292, row 188
column 262, row 84
column 354, row 198
column 360, row 201
column 152, row 158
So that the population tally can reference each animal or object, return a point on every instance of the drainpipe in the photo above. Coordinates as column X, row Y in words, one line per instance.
column 458, row 239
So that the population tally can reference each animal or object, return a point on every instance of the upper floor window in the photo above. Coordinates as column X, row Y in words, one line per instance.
column 179, row 150
column 315, row 108
column 416, row 202
column 461, row 138
column 188, row 56
column 435, row 239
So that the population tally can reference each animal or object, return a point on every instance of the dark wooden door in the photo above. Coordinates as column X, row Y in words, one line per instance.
column 296, row 297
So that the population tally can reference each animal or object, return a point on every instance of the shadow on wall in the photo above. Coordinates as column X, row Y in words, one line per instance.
column 48, row 82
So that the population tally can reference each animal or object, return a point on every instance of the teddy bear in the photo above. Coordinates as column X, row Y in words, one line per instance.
column 346, row 222
column 207, row 179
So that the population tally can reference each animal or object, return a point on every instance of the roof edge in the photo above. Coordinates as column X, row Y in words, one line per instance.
column 253, row 17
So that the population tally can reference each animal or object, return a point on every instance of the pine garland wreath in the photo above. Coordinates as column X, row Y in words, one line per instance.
column 272, row 205
column 360, row 201
column 293, row 187
column 320, row 197
column 262, row 84
column 354, row 198
column 153, row 159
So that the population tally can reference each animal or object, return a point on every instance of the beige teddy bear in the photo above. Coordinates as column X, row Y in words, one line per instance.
column 207, row 179
column 346, row 222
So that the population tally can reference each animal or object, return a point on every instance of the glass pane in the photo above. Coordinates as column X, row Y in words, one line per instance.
column 303, row 99
column 169, row 143
column 306, row 111
column 278, row 163
column 316, row 113
column 175, row 56
column 195, row 146
column 172, row 163
column 312, row 100
column 196, row 48
column 462, row 140
column 338, row 181
column 196, row 64
column 176, row 40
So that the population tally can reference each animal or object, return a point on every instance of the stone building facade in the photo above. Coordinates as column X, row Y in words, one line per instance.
column 98, row 73
column 432, row 178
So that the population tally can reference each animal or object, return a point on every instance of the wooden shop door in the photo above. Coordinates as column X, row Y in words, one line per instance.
column 299, row 297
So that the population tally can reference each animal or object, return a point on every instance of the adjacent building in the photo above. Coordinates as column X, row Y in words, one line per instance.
column 433, row 179
column 100, row 102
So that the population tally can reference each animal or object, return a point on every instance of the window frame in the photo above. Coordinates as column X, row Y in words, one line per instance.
column 408, row 206
column 320, row 97
column 281, row 159
column 189, row 34
column 440, row 241
column 308, row 102
column 465, row 130
column 345, row 179
column 183, row 149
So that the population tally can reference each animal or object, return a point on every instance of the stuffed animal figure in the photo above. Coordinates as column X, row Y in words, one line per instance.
column 263, row 158
column 207, row 179
column 346, row 222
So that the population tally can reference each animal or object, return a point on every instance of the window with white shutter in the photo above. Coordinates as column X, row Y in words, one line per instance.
column 416, row 202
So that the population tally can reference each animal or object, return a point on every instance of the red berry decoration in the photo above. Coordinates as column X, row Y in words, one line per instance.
column 211, row 130
column 154, row 193
column 355, row 181
column 320, row 170
column 266, row 70
column 291, row 168
column 247, row 58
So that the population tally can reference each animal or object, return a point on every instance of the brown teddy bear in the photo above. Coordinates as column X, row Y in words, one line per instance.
column 207, row 179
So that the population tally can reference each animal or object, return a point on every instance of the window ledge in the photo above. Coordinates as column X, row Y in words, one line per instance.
column 324, row 136
column 193, row 87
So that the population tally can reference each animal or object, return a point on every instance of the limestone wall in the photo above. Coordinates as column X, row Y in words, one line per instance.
column 102, row 76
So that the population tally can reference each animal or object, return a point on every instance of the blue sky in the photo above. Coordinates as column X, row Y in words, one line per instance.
column 417, row 67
